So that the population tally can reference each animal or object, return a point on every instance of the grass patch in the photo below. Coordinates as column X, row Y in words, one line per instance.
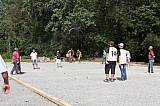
column 23, row 60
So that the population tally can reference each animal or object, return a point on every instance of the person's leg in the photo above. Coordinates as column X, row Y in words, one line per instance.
column 102, row 59
column 33, row 62
column 60, row 63
column 121, row 70
column 79, row 59
column 107, row 68
column 19, row 67
column 14, row 67
column 149, row 63
column 36, row 64
column 113, row 71
column 125, row 73
column 57, row 62
column 128, row 60
column 70, row 59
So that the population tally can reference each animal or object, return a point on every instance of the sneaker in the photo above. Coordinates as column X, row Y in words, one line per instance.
column 106, row 80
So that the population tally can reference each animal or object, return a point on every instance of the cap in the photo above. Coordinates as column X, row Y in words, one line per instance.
column 121, row 44
column 111, row 43
column 15, row 48
column 151, row 47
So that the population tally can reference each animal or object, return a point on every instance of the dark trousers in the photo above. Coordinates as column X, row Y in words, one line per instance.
column 103, row 60
column 111, row 65
column 15, row 67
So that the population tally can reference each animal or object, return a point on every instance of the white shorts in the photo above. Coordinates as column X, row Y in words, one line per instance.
column 58, row 60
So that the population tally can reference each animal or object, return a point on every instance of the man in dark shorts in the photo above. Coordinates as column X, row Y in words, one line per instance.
column 58, row 59
column 111, row 59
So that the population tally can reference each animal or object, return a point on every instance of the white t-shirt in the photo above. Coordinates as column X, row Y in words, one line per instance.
column 112, row 54
column 128, row 54
column 3, row 67
column 123, row 56
column 33, row 55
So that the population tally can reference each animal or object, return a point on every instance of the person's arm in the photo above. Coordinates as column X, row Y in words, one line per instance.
column 118, row 57
column 31, row 56
column 20, row 58
column 5, row 87
column 107, row 54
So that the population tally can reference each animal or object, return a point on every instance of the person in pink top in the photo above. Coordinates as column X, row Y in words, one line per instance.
column 151, row 57
column 15, row 61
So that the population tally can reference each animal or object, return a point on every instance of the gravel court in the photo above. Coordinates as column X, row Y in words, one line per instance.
column 82, row 84
column 21, row 96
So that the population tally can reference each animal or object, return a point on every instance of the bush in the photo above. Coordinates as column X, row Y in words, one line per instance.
column 152, row 40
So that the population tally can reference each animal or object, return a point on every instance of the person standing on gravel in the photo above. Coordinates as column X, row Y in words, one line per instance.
column 34, row 59
column 19, row 65
column 122, row 57
column 79, row 55
column 71, row 54
column 128, row 57
column 58, row 59
column 3, row 71
column 15, row 61
column 111, row 58
column 151, row 59
column 104, row 57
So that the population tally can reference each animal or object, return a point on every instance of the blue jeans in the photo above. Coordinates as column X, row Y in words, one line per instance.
column 123, row 71
column 150, row 66
column 34, row 62
column 79, row 57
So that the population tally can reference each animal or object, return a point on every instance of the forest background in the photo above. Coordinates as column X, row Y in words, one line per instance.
column 87, row 25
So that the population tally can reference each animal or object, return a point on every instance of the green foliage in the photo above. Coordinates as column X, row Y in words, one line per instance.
column 88, row 25
column 152, row 40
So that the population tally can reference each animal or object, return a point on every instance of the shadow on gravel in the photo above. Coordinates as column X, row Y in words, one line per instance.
column 118, row 78
column 22, row 73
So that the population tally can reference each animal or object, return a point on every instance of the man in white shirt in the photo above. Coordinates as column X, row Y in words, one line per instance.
column 34, row 59
column 122, row 53
column 111, row 58
column 3, row 71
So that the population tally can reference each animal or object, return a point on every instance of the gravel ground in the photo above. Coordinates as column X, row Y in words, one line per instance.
column 21, row 96
column 82, row 85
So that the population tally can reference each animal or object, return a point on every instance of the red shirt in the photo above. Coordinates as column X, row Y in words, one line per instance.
column 15, row 56
column 150, row 54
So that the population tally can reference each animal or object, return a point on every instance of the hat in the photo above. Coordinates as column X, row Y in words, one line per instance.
column 121, row 44
column 57, row 51
column 111, row 43
column 15, row 48
column 151, row 47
